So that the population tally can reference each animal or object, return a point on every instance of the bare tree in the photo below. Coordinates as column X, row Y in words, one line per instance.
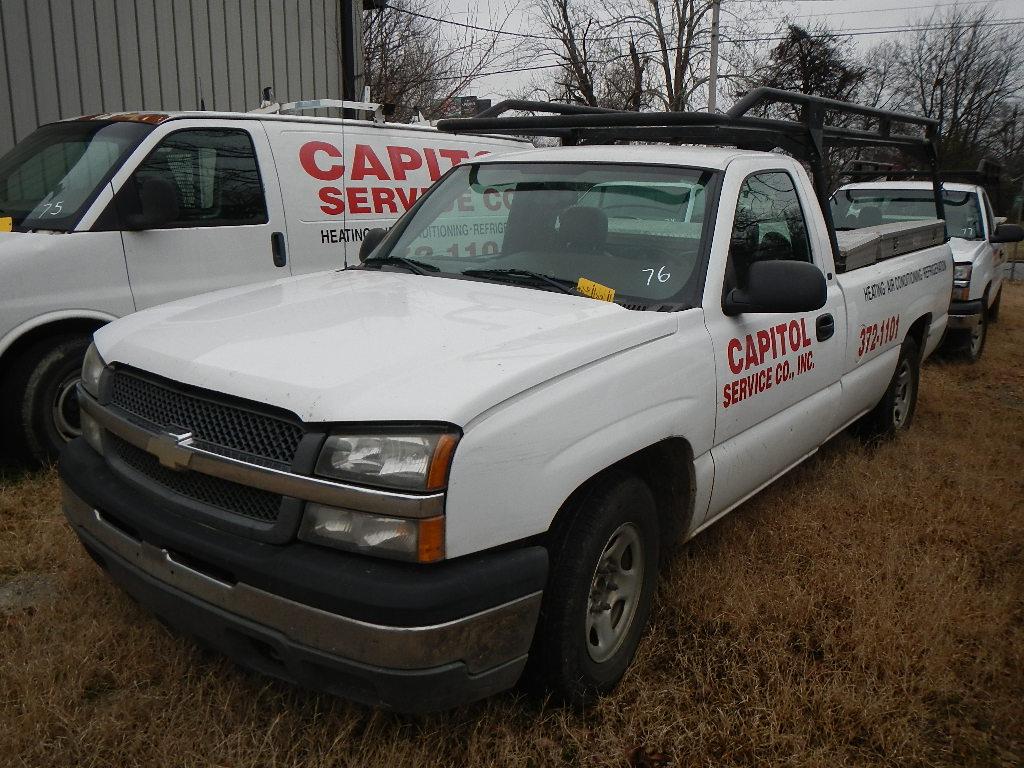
column 414, row 61
column 966, row 72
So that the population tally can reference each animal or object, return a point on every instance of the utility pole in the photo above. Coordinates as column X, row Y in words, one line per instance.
column 713, row 73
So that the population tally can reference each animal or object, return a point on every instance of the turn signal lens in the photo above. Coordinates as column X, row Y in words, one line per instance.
column 418, row 540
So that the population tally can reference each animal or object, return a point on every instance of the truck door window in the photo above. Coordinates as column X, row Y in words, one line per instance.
column 215, row 174
column 769, row 225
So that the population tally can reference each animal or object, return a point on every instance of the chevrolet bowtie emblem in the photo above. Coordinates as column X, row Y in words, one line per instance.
column 171, row 449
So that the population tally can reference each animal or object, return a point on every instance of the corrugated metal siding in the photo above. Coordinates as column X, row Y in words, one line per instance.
column 63, row 58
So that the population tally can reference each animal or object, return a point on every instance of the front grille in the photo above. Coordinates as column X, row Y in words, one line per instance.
column 231, row 428
column 211, row 491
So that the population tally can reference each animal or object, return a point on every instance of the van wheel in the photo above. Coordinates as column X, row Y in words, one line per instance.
column 895, row 411
column 44, row 397
column 603, row 576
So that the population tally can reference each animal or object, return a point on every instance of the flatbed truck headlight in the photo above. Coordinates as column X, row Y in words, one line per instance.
column 419, row 540
column 397, row 461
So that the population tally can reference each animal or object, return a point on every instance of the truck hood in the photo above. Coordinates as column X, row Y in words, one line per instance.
column 967, row 250
column 376, row 346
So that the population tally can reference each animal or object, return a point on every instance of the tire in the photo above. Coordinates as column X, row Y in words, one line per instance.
column 895, row 411
column 604, row 571
column 993, row 311
column 42, row 404
column 972, row 342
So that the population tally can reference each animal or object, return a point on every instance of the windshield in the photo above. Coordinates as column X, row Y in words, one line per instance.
column 856, row 208
column 51, row 177
column 634, row 229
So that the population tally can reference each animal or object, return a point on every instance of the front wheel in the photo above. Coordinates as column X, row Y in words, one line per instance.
column 603, row 576
column 895, row 411
column 44, row 397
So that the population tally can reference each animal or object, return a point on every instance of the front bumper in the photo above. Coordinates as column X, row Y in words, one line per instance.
column 965, row 315
column 457, row 632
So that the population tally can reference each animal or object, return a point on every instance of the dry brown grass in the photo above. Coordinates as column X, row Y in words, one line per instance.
column 865, row 610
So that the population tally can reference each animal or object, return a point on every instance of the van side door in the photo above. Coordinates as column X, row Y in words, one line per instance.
column 224, row 219
column 778, row 373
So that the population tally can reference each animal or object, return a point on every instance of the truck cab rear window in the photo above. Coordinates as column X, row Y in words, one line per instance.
column 858, row 208
column 215, row 175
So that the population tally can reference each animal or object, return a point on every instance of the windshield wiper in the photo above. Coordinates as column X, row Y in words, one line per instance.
column 560, row 283
column 414, row 266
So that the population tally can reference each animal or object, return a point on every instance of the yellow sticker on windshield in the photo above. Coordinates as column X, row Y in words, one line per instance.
column 6, row 224
column 595, row 290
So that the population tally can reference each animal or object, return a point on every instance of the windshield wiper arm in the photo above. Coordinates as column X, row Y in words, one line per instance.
column 560, row 283
column 414, row 266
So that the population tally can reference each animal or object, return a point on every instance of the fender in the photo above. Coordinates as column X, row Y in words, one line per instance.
column 48, row 318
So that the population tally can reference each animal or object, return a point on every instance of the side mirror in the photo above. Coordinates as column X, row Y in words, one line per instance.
column 157, row 205
column 370, row 241
column 779, row 286
column 1007, row 233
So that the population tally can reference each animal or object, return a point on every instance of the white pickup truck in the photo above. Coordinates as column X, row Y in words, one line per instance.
column 104, row 215
column 398, row 482
column 976, row 237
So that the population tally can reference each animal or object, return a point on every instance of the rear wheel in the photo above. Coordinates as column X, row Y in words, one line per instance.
column 603, row 576
column 43, row 401
column 895, row 411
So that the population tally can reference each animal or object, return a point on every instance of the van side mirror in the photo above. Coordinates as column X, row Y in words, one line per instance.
column 370, row 241
column 1007, row 233
column 157, row 205
column 778, row 286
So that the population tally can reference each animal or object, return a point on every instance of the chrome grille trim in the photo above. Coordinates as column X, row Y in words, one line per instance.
column 181, row 455
column 223, row 427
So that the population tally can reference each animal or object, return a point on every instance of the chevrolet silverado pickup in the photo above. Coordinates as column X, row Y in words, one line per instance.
column 977, row 240
column 408, row 481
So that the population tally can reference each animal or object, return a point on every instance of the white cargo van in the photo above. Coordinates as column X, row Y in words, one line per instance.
column 107, row 214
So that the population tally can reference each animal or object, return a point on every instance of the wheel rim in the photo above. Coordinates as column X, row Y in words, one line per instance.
column 66, row 417
column 904, row 394
column 614, row 592
column 977, row 338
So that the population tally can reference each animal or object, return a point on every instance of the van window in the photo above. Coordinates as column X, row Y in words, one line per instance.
column 52, row 176
column 215, row 174
column 769, row 225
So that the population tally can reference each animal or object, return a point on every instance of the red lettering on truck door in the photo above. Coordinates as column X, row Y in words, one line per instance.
column 308, row 160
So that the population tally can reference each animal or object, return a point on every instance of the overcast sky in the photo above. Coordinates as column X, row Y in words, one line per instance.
column 858, row 16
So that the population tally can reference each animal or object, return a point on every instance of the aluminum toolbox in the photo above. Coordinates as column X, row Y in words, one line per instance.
column 862, row 247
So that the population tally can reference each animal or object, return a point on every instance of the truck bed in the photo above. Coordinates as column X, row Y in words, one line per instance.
column 869, row 245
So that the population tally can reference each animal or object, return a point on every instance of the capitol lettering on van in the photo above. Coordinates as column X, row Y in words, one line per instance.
column 323, row 161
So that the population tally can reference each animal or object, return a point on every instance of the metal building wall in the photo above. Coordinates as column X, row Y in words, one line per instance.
column 63, row 58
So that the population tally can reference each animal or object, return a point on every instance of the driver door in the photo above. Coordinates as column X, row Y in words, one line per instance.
column 778, row 373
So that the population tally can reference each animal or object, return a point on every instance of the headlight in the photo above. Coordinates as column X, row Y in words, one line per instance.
column 408, row 462
column 961, row 271
column 92, row 371
column 419, row 540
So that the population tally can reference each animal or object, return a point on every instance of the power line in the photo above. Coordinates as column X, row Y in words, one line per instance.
column 1005, row 23
column 855, row 32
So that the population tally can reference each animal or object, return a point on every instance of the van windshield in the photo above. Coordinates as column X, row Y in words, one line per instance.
column 52, row 176
column 858, row 208
column 634, row 229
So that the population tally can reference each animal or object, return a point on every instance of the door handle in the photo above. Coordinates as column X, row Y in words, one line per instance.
column 825, row 326
column 277, row 248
